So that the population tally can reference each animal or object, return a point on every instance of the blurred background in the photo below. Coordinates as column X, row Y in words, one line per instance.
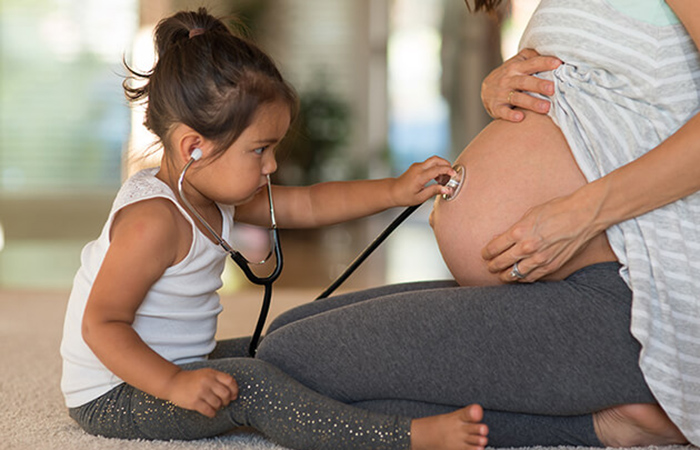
column 383, row 83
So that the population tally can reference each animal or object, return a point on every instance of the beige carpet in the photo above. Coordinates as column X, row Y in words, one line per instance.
column 32, row 415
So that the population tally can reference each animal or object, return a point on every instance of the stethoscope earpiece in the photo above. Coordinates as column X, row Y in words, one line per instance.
column 196, row 154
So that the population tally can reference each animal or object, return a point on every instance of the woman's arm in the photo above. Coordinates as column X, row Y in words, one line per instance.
column 550, row 234
column 334, row 202
column 506, row 88
column 143, row 245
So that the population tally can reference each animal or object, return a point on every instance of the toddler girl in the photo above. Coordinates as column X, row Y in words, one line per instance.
column 142, row 315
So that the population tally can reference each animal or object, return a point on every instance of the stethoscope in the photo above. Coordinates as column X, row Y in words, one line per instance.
column 455, row 183
column 237, row 257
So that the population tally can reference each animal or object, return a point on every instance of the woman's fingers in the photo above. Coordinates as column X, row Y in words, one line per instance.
column 507, row 86
column 527, row 101
column 520, row 254
column 497, row 246
column 513, row 266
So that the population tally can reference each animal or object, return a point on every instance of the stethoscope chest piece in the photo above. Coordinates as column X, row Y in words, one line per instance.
column 455, row 183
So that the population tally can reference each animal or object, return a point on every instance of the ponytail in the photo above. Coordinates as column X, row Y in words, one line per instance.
column 485, row 5
column 206, row 77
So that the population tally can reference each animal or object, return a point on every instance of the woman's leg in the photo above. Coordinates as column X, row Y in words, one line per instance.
column 340, row 301
column 231, row 348
column 560, row 348
column 238, row 347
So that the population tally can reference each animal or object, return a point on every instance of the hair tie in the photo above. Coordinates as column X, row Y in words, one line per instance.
column 196, row 32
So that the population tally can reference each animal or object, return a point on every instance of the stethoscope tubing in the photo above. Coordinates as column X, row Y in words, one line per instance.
column 368, row 251
column 454, row 183
column 266, row 282
column 181, row 192
column 240, row 260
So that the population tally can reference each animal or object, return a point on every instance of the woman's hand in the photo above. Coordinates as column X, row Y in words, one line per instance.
column 412, row 188
column 543, row 240
column 505, row 88
column 204, row 390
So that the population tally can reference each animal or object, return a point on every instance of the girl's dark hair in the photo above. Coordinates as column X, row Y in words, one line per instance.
column 207, row 78
column 486, row 5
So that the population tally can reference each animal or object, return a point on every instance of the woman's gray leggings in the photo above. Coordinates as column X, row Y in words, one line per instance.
column 543, row 349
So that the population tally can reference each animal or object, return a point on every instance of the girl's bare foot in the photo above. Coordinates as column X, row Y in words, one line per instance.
column 634, row 425
column 459, row 430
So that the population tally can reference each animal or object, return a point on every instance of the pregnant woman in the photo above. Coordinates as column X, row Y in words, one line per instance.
column 575, row 247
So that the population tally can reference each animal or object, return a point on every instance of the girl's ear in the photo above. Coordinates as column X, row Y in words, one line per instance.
column 190, row 145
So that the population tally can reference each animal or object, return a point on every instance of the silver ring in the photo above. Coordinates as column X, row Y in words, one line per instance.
column 515, row 272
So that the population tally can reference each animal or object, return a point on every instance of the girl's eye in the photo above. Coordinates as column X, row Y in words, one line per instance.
column 259, row 151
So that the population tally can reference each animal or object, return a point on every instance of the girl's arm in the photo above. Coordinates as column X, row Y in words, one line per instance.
column 141, row 249
column 335, row 202
column 550, row 234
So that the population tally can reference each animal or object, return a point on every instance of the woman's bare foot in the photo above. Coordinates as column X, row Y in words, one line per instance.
column 460, row 430
column 634, row 425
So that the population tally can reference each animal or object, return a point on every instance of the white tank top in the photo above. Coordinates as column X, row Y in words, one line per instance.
column 178, row 316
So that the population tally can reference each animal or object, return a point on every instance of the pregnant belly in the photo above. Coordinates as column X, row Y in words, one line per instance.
column 510, row 167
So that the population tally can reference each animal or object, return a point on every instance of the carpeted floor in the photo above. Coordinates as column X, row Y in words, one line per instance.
column 32, row 415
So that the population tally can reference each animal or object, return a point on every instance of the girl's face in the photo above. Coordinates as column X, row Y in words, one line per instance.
column 241, row 171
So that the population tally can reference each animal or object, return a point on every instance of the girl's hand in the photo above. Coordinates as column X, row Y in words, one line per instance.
column 204, row 390
column 505, row 88
column 542, row 241
column 411, row 188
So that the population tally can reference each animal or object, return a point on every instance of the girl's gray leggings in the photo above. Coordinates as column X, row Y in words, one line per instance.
column 269, row 401
column 547, row 349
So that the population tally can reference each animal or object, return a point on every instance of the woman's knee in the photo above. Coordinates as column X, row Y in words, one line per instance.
column 283, row 319
column 304, row 311
column 287, row 349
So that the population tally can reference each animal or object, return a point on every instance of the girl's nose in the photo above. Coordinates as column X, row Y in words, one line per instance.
column 269, row 164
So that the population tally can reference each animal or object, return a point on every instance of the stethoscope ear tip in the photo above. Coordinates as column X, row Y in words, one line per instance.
column 196, row 154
